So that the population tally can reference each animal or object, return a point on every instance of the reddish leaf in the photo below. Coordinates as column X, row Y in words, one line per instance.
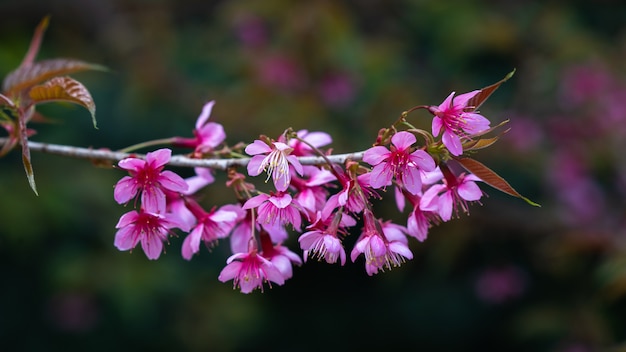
column 64, row 89
column 491, row 178
column 35, row 43
column 479, row 99
column 29, row 75
column 28, row 167
column 480, row 143
column 6, row 101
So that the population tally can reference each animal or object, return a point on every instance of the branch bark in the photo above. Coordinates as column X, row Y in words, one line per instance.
column 176, row 160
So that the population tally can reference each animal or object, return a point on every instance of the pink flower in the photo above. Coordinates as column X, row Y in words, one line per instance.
column 276, row 208
column 419, row 220
column 211, row 226
column 457, row 121
column 398, row 162
column 323, row 239
column 455, row 193
column 147, row 176
column 149, row 228
column 280, row 256
column 500, row 284
column 203, row 178
column 249, row 271
column 276, row 162
column 311, row 193
column 383, row 245
column 322, row 244
column 207, row 135
column 316, row 139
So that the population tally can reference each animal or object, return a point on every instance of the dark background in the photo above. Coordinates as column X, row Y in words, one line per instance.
column 509, row 277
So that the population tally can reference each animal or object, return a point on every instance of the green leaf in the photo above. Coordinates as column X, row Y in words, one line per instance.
column 28, row 75
column 491, row 178
column 479, row 99
column 64, row 89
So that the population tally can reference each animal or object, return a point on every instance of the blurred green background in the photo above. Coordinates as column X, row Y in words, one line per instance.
column 509, row 277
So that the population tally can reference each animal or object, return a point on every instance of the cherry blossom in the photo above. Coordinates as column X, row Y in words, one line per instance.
column 148, row 177
column 151, row 229
column 457, row 120
column 277, row 162
column 398, row 162
column 249, row 271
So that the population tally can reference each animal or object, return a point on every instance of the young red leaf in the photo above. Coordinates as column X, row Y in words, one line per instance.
column 29, row 75
column 35, row 43
column 491, row 178
column 28, row 167
column 6, row 101
column 64, row 89
column 479, row 99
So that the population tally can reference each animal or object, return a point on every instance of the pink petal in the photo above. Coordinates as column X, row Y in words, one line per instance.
column 211, row 135
column 254, row 165
column 469, row 191
column 401, row 248
column 195, row 183
column 283, row 264
column 293, row 160
column 230, row 271
column 127, row 219
column 159, row 157
column 318, row 139
column 412, row 180
column 447, row 103
column 380, row 176
column 125, row 239
column 423, row 160
column 377, row 246
column 255, row 201
column 132, row 164
column 152, row 246
column 376, row 155
column 281, row 201
column 417, row 225
column 125, row 190
column 272, row 273
column 445, row 206
column 403, row 140
column 399, row 197
column 223, row 216
column 462, row 100
column 205, row 114
column 257, row 147
column 453, row 143
column 172, row 181
column 475, row 123
column 153, row 200
column 437, row 124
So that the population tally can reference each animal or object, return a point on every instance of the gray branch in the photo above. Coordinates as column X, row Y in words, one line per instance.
column 176, row 160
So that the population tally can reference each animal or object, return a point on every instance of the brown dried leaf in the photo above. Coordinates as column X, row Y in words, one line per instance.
column 491, row 178
column 479, row 99
column 64, row 89
column 29, row 75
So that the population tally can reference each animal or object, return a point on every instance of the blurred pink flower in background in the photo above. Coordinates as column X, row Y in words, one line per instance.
column 500, row 284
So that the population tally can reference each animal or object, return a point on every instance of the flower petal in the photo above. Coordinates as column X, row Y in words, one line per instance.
column 376, row 155
column 205, row 114
column 403, row 140
column 257, row 147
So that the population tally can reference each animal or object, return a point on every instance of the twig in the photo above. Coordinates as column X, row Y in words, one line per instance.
column 176, row 160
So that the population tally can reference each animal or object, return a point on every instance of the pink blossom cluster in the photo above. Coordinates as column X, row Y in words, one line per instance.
column 319, row 204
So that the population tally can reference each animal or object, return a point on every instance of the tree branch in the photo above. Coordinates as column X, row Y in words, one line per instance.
column 176, row 160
